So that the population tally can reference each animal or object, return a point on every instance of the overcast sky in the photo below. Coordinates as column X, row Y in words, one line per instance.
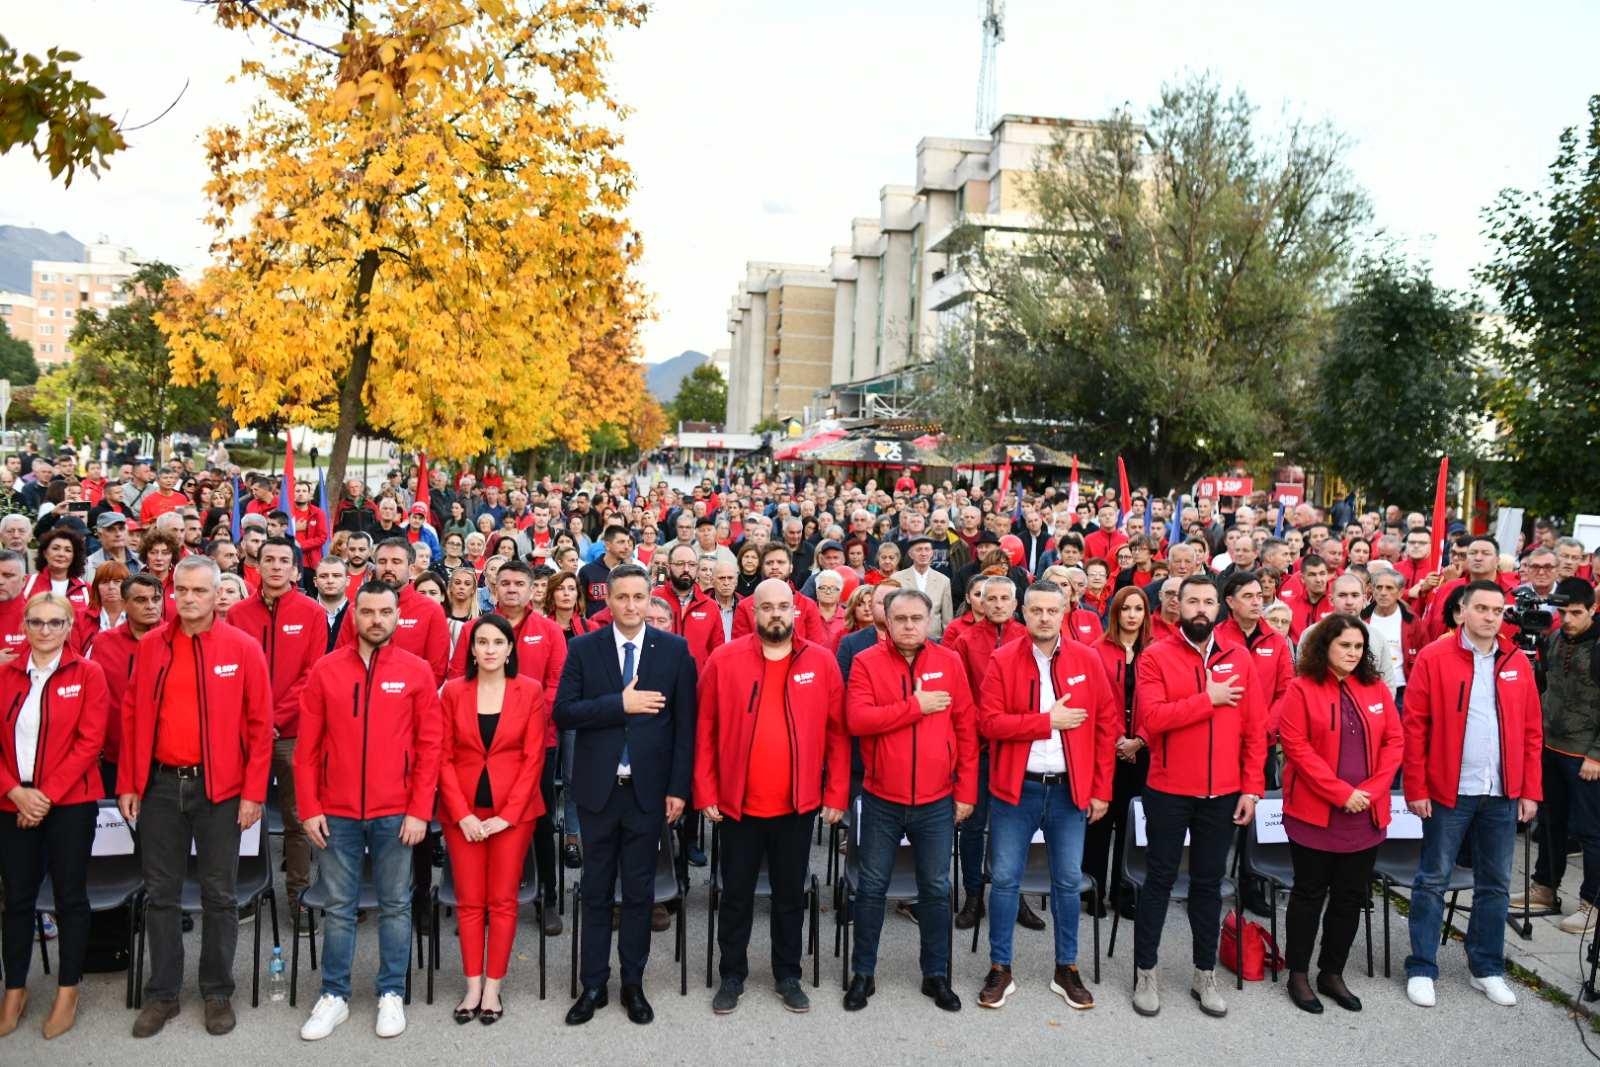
column 762, row 127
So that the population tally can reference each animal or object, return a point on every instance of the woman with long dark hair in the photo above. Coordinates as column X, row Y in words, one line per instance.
column 1342, row 744
column 494, row 753
column 59, row 567
column 1126, row 637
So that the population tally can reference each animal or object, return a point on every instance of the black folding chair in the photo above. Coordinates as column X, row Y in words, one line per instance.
column 668, row 888
column 445, row 894
column 1036, row 881
column 763, row 889
column 902, row 887
column 114, row 881
column 1397, row 863
column 1136, row 871
column 315, row 898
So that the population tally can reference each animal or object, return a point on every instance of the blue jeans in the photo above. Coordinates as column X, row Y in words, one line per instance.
column 931, row 829
column 340, row 863
column 1491, row 823
column 1011, row 829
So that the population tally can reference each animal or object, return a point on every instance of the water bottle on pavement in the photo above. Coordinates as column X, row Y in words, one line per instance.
column 277, row 985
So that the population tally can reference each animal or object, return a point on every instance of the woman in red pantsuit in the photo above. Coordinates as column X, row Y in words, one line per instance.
column 489, row 784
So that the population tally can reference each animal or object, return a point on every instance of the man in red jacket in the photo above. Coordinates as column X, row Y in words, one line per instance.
column 1313, row 602
column 777, row 562
column 420, row 628
column 310, row 528
column 196, row 754
column 142, row 599
column 695, row 616
column 292, row 630
column 770, row 748
column 1199, row 708
column 371, row 737
column 910, row 704
column 1474, row 740
column 1052, row 722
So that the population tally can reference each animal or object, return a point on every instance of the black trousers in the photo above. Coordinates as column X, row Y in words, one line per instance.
column 1105, row 843
column 620, row 841
column 544, row 828
column 784, row 843
column 1209, row 823
column 1340, row 879
column 59, row 845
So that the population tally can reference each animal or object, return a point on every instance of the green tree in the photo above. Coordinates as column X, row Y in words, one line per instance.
column 1544, row 272
column 44, row 107
column 121, row 362
column 88, row 416
column 17, row 364
column 702, row 396
column 1397, row 384
column 1169, row 303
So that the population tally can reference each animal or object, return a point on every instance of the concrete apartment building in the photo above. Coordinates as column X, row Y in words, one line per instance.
column 16, row 311
column 780, row 352
column 62, row 288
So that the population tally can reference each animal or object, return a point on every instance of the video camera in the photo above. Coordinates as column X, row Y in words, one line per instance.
column 1527, row 613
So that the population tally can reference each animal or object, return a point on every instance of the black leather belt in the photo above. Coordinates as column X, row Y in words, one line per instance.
column 193, row 770
column 1053, row 778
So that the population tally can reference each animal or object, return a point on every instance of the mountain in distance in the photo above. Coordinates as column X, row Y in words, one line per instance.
column 664, row 378
column 21, row 245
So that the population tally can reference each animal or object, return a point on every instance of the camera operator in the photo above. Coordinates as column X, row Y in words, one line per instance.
column 1569, row 683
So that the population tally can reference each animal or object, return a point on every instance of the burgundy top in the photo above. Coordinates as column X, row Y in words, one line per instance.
column 1346, row 831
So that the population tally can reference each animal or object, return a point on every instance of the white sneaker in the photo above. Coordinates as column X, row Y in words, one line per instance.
column 328, row 1013
column 1420, row 992
column 391, row 1015
column 1496, row 989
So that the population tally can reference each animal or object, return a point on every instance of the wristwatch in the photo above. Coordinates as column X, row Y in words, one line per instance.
column 1253, row 798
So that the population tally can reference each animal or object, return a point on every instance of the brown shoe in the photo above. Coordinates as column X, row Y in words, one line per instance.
column 1538, row 898
column 996, row 988
column 1069, row 987
column 12, row 1009
column 153, row 1016
column 219, row 1016
column 660, row 918
column 63, row 1013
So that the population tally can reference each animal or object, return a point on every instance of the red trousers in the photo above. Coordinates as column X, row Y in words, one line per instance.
column 487, row 874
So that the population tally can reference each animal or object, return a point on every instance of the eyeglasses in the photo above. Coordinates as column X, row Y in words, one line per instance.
column 46, row 624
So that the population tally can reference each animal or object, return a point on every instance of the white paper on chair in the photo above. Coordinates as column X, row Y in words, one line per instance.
column 1269, row 821
column 1140, row 838
column 1403, row 825
column 111, row 834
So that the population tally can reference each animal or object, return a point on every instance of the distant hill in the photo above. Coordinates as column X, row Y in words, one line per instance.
column 664, row 378
column 21, row 245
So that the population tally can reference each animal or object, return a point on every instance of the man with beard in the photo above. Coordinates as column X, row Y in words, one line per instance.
column 777, row 563
column 695, row 617
column 1199, row 708
column 771, row 749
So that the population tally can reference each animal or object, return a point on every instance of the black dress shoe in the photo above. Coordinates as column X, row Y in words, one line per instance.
column 970, row 912
column 939, row 989
column 861, row 988
column 585, row 1006
column 1332, row 986
column 1301, row 995
column 1027, row 918
column 489, row 1018
column 639, row 1010
column 572, row 855
column 695, row 855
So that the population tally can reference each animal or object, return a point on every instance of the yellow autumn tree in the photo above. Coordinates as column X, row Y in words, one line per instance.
column 420, row 226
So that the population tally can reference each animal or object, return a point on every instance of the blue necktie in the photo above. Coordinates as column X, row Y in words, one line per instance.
column 627, row 676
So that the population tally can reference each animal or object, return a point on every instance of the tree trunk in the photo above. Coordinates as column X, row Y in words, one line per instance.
column 355, row 381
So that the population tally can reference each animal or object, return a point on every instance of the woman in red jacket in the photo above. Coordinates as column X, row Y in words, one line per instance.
column 1127, row 634
column 55, row 706
column 59, row 566
column 494, row 752
column 1342, row 743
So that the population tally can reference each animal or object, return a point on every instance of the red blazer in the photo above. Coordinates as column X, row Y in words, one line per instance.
column 1309, row 730
column 912, row 758
column 235, row 712
column 294, row 634
column 515, row 758
column 73, row 709
column 698, row 622
column 370, row 738
column 1436, row 721
column 977, row 644
column 1196, row 749
column 421, row 630
column 541, row 653
column 1010, row 716
column 813, row 702
column 113, row 650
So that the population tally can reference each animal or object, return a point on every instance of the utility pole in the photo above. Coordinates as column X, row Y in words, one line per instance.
column 994, row 32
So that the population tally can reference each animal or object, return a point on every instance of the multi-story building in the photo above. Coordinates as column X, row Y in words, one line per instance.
column 63, row 288
column 16, row 311
column 781, row 324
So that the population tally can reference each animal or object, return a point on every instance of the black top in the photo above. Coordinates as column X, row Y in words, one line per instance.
column 486, row 728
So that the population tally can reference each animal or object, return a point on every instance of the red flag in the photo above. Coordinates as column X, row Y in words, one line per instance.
column 286, row 487
column 1072, row 488
column 1441, row 522
column 1122, row 490
column 422, row 483
column 1005, row 482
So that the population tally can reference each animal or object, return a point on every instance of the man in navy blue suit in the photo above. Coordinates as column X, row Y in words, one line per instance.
column 629, row 691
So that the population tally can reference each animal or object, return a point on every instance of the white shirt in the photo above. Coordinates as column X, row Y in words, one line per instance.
column 59, row 588
column 624, row 767
column 1046, row 756
column 727, row 620
column 27, row 733
column 1388, row 629
column 1480, row 745
column 921, row 578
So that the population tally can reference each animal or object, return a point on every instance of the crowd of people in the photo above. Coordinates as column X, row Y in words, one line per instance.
column 559, row 671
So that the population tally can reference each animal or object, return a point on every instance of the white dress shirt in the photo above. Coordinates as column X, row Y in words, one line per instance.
column 27, row 732
column 1046, row 756
column 1480, row 745
column 624, row 767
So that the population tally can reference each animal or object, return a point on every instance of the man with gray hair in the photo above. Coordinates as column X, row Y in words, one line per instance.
column 15, row 533
column 196, row 752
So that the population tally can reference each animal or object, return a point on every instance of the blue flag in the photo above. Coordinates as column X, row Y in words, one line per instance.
column 322, row 493
column 1149, row 514
column 1278, row 531
column 1175, row 533
column 237, row 491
